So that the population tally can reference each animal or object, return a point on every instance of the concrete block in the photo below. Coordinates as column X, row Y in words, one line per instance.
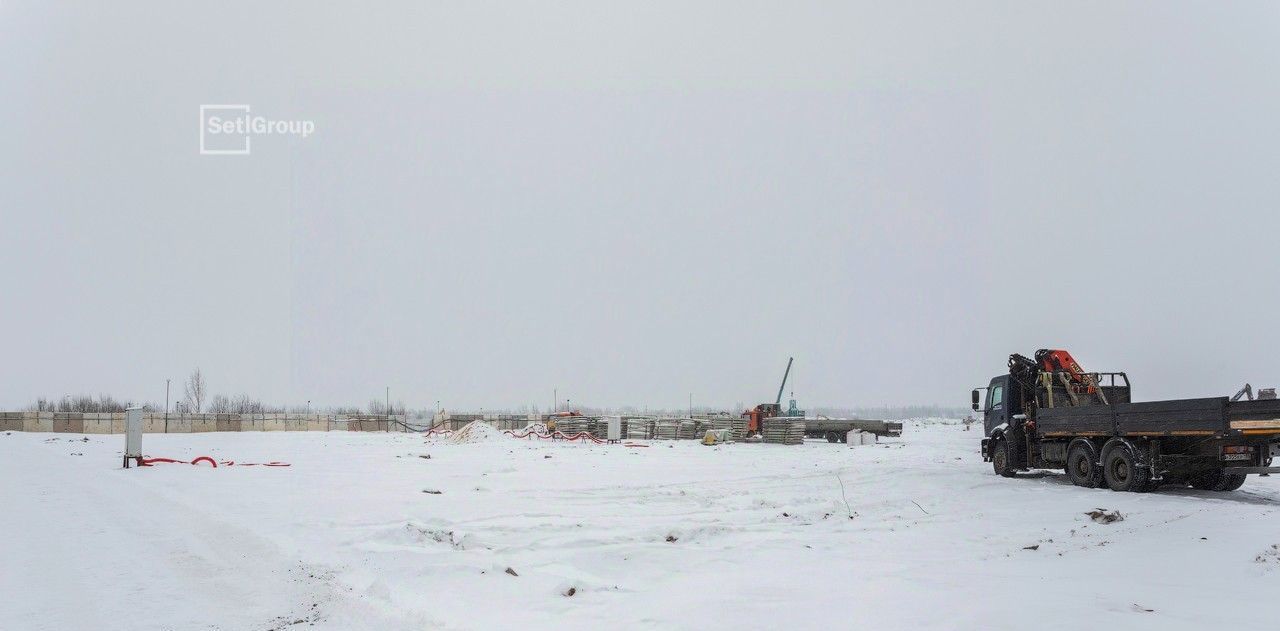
column 227, row 424
column 857, row 437
column 68, row 423
column 206, row 423
column 99, row 425
column 37, row 422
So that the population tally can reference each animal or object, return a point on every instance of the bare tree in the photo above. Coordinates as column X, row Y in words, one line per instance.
column 195, row 391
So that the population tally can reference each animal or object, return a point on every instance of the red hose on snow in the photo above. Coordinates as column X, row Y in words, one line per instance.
column 147, row 462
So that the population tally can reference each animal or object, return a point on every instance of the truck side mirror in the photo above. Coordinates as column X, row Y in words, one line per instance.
column 974, row 396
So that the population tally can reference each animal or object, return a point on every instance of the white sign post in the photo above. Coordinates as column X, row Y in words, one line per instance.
column 132, row 435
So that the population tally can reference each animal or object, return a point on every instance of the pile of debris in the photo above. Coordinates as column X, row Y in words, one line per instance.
column 784, row 430
column 476, row 432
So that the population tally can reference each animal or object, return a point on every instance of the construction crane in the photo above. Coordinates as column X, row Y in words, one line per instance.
column 763, row 411
column 1264, row 394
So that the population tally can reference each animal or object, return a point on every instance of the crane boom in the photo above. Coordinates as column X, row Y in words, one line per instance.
column 778, row 401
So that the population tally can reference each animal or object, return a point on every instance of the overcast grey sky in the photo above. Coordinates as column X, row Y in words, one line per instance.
column 631, row 203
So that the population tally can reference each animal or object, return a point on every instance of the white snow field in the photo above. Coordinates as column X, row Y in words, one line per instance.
column 363, row 533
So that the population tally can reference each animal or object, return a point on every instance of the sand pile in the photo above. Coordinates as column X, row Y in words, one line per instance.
column 476, row 432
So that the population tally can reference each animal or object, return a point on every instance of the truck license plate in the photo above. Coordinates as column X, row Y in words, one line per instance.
column 1235, row 456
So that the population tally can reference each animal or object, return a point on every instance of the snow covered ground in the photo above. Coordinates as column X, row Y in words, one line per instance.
column 364, row 532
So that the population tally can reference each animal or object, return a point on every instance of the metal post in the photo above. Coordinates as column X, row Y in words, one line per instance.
column 166, row 406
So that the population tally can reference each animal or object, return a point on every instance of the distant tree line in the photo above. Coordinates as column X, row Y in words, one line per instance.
column 85, row 403
column 196, row 399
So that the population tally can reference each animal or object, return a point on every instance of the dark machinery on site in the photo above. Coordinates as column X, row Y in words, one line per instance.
column 1264, row 394
column 832, row 429
column 756, row 416
column 1049, row 413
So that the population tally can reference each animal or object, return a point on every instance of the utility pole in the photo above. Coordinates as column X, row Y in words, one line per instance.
column 166, row 406
column 690, row 405
column 388, row 408
column 555, row 400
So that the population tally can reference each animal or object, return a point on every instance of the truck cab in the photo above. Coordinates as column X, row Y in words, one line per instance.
column 1001, row 403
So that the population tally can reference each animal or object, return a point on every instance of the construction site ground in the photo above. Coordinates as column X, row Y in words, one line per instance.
column 399, row 531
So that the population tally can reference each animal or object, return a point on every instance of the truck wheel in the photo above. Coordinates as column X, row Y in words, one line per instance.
column 1207, row 480
column 833, row 437
column 1122, row 472
column 1230, row 482
column 1082, row 467
column 1000, row 459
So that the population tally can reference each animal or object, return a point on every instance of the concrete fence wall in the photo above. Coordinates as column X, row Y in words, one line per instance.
column 449, row 420
column 160, row 423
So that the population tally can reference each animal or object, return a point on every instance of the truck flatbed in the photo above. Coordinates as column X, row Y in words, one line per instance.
column 837, row 429
column 1211, row 416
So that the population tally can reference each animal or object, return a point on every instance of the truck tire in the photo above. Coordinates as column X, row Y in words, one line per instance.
column 1122, row 472
column 1229, row 481
column 1206, row 480
column 1083, row 467
column 1001, row 459
column 833, row 437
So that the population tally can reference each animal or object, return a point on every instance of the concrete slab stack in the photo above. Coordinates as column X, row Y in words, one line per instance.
column 737, row 426
column 638, row 427
column 666, row 429
column 784, row 430
column 690, row 429
column 570, row 425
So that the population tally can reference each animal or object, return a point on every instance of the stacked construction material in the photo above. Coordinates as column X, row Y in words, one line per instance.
column 690, row 429
column 736, row 425
column 598, row 426
column 666, row 428
column 638, row 427
column 570, row 425
column 784, row 430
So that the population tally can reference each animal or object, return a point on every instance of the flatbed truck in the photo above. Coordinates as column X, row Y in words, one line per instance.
column 836, row 430
column 1041, row 415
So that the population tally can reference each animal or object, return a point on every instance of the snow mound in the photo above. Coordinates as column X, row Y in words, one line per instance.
column 476, row 432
